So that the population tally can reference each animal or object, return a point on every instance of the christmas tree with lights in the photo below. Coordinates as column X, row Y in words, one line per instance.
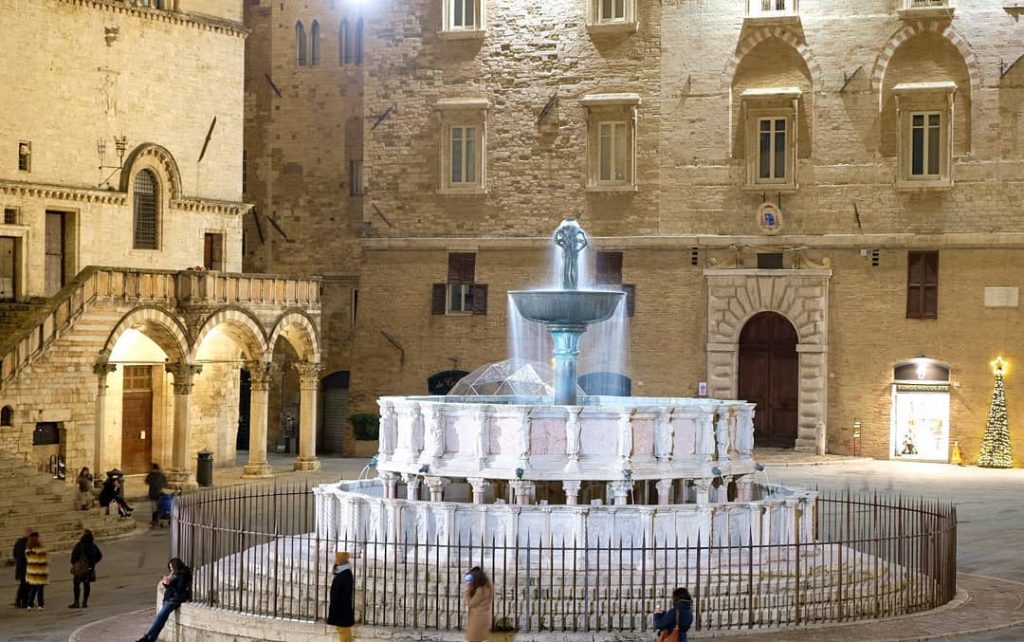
column 995, row 445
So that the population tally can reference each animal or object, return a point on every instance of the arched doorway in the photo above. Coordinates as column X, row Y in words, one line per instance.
column 769, row 377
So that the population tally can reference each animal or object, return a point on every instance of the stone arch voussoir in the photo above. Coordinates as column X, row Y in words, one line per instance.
column 244, row 328
column 295, row 327
column 159, row 324
column 756, row 37
column 909, row 31
column 152, row 155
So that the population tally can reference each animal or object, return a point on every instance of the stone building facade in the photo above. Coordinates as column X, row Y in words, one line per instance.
column 814, row 202
column 123, row 126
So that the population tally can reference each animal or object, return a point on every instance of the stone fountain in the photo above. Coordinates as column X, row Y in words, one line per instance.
column 567, row 312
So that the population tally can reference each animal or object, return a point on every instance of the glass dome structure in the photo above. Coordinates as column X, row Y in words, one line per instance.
column 511, row 377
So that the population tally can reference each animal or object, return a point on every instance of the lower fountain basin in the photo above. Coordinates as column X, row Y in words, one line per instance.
column 567, row 307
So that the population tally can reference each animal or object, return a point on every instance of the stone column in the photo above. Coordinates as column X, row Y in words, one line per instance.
column 412, row 486
column 259, row 402
column 572, row 492
column 390, row 485
column 664, row 487
column 523, row 491
column 309, row 385
column 180, row 473
column 621, row 491
column 102, row 369
column 480, row 486
column 436, row 487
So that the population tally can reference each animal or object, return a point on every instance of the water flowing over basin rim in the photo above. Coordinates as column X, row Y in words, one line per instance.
column 567, row 307
column 590, row 401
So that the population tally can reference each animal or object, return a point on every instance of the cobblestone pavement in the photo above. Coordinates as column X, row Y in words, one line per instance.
column 990, row 536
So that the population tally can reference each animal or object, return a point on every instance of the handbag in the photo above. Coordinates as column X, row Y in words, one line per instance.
column 81, row 568
column 673, row 635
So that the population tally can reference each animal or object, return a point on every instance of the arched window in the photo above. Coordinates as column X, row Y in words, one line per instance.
column 314, row 44
column 359, row 42
column 7, row 416
column 146, row 211
column 344, row 44
column 300, row 43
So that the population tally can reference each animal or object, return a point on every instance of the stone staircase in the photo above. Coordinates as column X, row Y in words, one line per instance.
column 32, row 498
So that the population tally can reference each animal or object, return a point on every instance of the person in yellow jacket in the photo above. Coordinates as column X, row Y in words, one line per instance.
column 478, row 596
column 37, row 571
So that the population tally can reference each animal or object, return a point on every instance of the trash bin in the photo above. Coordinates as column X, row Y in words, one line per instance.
column 204, row 468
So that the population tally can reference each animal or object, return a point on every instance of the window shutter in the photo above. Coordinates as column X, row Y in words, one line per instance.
column 437, row 299
column 630, row 291
column 461, row 267
column 609, row 268
column 479, row 299
column 922, row 285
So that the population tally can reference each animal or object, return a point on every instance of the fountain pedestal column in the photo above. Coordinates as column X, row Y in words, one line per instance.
column 566, row 339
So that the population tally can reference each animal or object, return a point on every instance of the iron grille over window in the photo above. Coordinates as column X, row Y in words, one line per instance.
column 145, row 211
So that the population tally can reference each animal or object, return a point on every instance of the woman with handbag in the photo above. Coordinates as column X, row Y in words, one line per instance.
column 84, row 558
column 673, row 624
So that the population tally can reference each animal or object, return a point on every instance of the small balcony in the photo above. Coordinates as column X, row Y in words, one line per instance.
column 773, row 11
column 919, row 9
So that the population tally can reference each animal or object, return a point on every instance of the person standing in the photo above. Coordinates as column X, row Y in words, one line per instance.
column 177, row 590
column 156, row 480
column 84, row 558
column 85, row 488
column 680, row 615
column 342, row 612
column 20, row 565
column 478, row 597
column 37, row 571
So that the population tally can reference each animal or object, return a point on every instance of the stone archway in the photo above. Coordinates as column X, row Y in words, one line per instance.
column 734, row 297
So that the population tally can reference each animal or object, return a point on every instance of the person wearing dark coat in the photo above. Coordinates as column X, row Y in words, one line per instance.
column 84, row 558
column 20, row 567
column 681, row 613
column 177, row 590
column 156, row 480
column 341, row 612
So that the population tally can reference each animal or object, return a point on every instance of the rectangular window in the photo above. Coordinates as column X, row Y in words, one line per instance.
column 245, row 171
column 355, row 177
column 612, row 152
column 613, row 10
column 463, row 15
column 11, row 216
column 461, row 294
column 609, row 268
column 926, row 145
column 463, row 155
column 922, row 285
column 213, row 251
column 25, row 156
column 771, row 7
column 772, row 150
column 46, row 433
column 921, row 4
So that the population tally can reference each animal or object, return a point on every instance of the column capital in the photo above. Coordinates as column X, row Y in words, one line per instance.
column 309, row 373
column 479, row 484
column 104, row 368
column 259, row 374
column 183, row 373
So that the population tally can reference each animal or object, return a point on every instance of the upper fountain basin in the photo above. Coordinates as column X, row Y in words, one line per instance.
column 567, row 307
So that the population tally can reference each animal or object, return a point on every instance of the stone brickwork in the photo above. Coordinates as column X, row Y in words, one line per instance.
column 690, row 63
column 158, row 78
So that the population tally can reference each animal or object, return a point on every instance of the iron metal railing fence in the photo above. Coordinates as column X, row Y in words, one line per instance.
column 255, row 550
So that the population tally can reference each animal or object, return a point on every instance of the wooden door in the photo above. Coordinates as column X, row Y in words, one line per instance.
column 54, row 267
column 769, row 377
column 137, row 419
column 8, row 268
